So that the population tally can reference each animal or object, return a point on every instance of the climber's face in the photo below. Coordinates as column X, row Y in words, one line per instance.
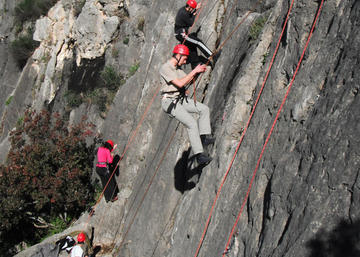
column 183, row 59
column 189, row 9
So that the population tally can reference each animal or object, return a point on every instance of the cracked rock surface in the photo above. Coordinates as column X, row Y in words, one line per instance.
column 304, row 200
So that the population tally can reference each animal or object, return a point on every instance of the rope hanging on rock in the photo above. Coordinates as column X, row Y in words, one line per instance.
column 244, row 132
column 271, row 130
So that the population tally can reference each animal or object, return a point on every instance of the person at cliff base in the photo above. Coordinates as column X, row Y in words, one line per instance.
column 184, row 20
column 81, row 248
column 176, row 103
column 105, row 166
column 66, row 243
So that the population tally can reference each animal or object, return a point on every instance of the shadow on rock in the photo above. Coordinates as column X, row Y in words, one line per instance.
column 343, row 241
column 187, row 174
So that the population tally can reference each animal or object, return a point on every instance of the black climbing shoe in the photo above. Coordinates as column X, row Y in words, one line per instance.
column 203, row 159
column 207, row 140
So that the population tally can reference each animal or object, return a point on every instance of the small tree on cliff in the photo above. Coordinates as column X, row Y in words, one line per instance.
column 47, row 173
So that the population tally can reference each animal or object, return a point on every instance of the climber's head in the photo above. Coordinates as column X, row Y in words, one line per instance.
column 190, row 5
column 181, row 53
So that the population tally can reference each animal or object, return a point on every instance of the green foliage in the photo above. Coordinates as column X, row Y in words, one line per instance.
column 133, row 69
column 58, row 225
column 47, row 173
column 265, row 55
column 73, row 99
column 98, row 192
column 22, row 48
column 104, row 93
column 8, row 101
column 111, row 79
column 115, row 52
column 20, row 121
column 126, row 41
column 32, row 9
column 257, row 27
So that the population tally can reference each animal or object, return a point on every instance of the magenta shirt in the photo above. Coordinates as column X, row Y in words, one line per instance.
column 103, row 155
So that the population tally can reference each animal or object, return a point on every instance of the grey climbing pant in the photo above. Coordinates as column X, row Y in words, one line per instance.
column 182, row 111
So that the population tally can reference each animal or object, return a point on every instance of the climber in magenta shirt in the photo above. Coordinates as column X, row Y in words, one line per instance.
column 103, row 156
column 106, row 167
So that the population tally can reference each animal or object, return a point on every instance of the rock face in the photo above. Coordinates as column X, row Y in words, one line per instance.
column 306, row 190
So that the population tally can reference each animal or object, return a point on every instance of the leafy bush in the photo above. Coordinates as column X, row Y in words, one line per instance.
column 103, row 94
column 47, row 173
column 111, row 79
column 257, row 27
column 58, row 225
column 133, row 69
column 73, row 99
column 8, row 101
column 22, row 48
column 100, row 97
column 126, row 41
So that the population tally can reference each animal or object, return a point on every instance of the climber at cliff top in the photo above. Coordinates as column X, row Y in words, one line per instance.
column 175, row 101
column 184, row 20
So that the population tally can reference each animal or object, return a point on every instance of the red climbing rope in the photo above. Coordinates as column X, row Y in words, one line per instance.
column 271, row 130
column 244, row 132
column 163, row 156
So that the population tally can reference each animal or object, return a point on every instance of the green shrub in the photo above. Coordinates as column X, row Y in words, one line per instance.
column 57, row 225
column 265, row 55
column 115, row 52
column 22, row 48
column 111, row 79
column 99, row 97
column 47, row 173
column 126, row 41
column 20, row 121
column 257, row 27
column 8, row 101
column 133, row 69
column 73, row 99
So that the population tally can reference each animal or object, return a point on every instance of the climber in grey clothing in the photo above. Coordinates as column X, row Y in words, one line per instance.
column 175, row 102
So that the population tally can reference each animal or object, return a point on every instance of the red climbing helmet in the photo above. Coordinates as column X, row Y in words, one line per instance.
column 111, row 143
column 191, row 3
column 181, row 49
column 81, row 237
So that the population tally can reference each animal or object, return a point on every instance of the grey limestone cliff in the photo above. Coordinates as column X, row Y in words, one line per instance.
column 305, row 194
